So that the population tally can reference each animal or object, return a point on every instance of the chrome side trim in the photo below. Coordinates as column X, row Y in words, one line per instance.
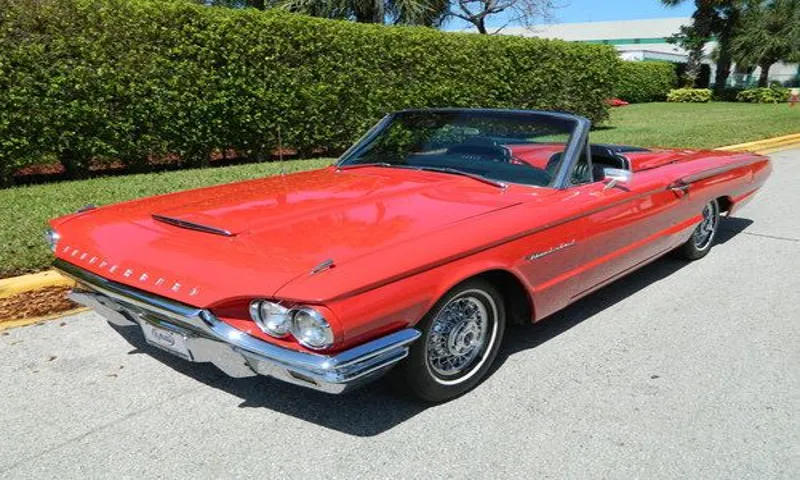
column 234, row 351
column 191, row 225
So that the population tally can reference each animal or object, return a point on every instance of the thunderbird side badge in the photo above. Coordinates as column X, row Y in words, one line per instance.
column 538, row 255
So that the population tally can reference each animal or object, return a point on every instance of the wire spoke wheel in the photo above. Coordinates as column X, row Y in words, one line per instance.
column 460, row 335
column 699, row 243
column 704, row 233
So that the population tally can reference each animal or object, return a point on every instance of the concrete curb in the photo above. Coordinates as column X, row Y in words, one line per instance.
column 51, row 278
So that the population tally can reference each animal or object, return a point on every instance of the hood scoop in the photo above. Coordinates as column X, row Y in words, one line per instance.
column 192, row 225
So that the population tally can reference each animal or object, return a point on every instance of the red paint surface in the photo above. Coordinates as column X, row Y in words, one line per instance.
column 399, row 238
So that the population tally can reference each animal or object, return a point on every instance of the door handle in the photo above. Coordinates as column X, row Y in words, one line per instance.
column 679, row 188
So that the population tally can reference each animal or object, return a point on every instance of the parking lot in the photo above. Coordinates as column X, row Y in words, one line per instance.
column 679, row 370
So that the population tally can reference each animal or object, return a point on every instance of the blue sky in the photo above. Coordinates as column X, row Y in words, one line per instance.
column 575, row 11
column 606, row 10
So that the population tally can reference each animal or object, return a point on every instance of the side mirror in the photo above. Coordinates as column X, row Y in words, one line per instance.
column 616, row 176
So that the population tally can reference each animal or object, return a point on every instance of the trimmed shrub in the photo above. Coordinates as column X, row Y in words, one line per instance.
column 689, row 95
column 774, row 94
column 639, row 82
column 130, row 79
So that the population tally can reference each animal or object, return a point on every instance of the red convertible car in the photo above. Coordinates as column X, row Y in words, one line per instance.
column 414, row 251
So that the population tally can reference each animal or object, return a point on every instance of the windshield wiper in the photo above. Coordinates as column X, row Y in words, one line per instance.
column 455, row 171
column 361, row 165
column 449, row 170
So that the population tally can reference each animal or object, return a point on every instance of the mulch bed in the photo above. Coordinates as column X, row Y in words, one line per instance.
column 54, row 172
column 37, row 303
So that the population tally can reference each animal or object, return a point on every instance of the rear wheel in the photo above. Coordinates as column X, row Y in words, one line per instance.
column 460, row 339
column 703, row 236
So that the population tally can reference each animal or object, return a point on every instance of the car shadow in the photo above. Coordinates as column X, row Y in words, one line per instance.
column 379, row 407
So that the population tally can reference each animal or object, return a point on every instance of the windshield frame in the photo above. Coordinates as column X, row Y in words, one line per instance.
column 572, row 151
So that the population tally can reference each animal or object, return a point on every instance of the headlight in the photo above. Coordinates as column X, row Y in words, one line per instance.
column 274, row 319
column 52, row 237
column 311, row 329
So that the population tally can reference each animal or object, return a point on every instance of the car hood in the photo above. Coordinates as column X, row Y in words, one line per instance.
column 277, row 229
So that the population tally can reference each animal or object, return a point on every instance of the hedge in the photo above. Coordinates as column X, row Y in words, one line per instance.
column 84, row 80
column 640, row 82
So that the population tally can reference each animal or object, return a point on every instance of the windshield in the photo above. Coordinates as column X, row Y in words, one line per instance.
column 506, row 146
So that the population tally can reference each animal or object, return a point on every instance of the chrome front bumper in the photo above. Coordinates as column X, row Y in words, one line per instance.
column 236, row 353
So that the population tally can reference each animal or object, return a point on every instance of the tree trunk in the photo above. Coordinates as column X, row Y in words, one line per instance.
column 6, row 178
column 764, row 77
column 481, row 24
column 75, row 165
column 725, row 60
column 371, row 12
column 723, row 70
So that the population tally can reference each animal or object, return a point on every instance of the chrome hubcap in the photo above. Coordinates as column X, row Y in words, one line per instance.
column 458, row 335
column 705, row 231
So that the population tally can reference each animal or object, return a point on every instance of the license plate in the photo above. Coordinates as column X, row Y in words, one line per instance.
column 168, row 340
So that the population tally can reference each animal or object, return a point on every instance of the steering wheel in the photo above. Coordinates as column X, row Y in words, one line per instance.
column 482, row 148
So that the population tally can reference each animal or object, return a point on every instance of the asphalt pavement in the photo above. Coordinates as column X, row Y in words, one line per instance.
column 680, row 370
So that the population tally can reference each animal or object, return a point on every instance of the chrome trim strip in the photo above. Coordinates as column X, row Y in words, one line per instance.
column 177, row 222
column 212, row 340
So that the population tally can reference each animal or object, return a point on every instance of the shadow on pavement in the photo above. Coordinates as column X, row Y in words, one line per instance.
column 378, row 407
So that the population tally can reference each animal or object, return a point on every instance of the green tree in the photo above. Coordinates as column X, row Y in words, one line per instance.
column 770, row 32
column 406, row 12
column 719, row 18
column 693, row 40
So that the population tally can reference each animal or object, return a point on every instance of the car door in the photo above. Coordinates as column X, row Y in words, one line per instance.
column 601, row 232
column 624, row 226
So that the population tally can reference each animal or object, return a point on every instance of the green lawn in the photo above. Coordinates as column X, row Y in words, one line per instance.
column 697, row 125
column 24, row 211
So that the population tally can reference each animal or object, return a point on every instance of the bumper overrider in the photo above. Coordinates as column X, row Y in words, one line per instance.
column 205, row 338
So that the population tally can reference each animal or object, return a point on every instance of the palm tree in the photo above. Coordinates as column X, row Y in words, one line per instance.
column 407, row 12
column 712, row 17
column 769, row 33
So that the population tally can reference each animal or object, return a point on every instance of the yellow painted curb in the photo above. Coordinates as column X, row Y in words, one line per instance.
column 26, row 283
column 764, row 144
column 30, row 321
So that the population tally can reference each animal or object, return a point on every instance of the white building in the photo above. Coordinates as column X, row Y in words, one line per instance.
column 639, row 40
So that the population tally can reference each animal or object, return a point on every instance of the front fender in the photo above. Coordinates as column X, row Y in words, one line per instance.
column 403, row 303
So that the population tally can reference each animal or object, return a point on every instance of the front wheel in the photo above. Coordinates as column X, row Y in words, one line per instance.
column 460, row 339
column 702, row 238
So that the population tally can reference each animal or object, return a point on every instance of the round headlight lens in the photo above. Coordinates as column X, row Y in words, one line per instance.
column 272, row 318
column 52, row 237
column 311, row 329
